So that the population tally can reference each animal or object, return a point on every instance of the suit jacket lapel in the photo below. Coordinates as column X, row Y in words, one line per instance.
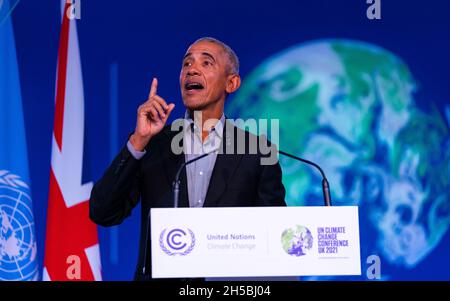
column 224, row 169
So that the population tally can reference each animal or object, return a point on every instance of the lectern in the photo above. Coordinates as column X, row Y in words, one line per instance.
column 255, row 242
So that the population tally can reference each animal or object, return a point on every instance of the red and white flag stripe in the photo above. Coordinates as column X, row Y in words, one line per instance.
column 71, row 247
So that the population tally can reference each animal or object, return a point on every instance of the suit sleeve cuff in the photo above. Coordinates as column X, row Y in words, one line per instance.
column 136, row 154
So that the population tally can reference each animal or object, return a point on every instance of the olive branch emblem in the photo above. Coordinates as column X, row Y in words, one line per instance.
column 10, row 179
column 171, row 253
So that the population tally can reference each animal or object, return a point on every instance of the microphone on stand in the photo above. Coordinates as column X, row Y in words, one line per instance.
column 176, row 193
column 325, row 185
column 176, row 182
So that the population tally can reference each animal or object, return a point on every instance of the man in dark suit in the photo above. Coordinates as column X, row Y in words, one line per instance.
column 232, row 175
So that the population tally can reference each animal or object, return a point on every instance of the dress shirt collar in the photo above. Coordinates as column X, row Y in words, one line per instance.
column 217, row 128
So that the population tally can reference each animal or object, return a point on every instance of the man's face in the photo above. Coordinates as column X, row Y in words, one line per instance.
column 204, row 75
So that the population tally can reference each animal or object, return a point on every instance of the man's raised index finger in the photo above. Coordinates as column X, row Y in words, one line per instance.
column 154, row 87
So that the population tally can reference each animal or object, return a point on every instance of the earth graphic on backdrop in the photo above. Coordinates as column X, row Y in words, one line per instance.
column 350, row 106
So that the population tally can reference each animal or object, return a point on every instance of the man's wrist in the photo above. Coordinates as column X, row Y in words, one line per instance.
column 139, row 143
column 135, row 153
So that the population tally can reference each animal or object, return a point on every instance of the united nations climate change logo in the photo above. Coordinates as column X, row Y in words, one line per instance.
column 17, row 241
column 297, row 241
column 177, row 241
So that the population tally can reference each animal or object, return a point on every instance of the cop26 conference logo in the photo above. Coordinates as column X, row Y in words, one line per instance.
column 297, row 241
column 177, row 241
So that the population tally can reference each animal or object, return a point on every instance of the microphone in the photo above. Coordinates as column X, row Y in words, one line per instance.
column 176, row 182
column 325, row 185
column 176, row 192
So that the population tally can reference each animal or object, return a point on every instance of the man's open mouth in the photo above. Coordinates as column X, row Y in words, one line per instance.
column 193, row 86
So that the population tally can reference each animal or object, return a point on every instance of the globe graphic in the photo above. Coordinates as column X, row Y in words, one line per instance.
column 17, row 241
column 350, row 106
column 297, row 241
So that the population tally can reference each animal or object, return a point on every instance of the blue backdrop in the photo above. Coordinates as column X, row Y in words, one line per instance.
column 123, row 44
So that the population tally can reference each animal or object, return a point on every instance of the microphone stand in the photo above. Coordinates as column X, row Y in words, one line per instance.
column 176, row 193
column 325, row 185
column 176, row 182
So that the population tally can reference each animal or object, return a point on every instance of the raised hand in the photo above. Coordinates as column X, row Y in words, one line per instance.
column 152, row 115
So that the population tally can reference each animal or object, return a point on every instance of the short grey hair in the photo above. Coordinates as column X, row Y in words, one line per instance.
column 234, row 60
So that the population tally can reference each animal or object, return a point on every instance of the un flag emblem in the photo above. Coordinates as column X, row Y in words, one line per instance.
column 17, row 240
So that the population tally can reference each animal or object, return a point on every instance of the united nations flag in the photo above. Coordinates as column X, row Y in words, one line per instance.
column 18, row 260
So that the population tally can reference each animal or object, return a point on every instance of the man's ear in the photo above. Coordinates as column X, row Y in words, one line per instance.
column 233, row 83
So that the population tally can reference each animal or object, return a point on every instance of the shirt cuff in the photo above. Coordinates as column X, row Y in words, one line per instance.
column 136, row 154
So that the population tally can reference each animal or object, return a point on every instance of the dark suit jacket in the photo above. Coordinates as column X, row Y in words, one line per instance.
column 237, row 180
